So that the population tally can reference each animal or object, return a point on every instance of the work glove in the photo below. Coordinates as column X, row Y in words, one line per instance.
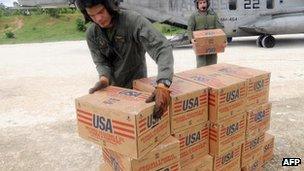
column 161, row 96
column 101, row 84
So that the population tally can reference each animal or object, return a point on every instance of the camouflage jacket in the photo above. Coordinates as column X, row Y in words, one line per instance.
column 205, row 21
column 122, row 58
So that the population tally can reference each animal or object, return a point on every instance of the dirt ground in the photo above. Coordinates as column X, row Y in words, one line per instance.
column 39, row 82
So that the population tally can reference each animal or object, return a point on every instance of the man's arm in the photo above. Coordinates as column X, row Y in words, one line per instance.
column 156, row 45
column 102, row 65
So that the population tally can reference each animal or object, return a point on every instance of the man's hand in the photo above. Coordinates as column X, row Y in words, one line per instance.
column 161, row 96
column 101, row 84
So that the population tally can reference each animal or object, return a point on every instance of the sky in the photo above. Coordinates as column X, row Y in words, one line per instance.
column 7, row 2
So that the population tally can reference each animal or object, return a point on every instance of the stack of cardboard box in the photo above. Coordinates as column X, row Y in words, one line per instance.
column 188, row 113
column 121, row 122
column 227, row 99
column 216, row 120
column 258, row 111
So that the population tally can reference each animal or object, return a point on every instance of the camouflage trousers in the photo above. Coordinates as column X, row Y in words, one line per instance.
column 205, row 60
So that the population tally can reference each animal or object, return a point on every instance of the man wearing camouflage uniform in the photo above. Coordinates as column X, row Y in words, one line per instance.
column 203, row 19
column 118, row 40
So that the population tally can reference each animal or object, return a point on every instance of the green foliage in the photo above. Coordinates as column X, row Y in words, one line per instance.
column 53, row 12
column 81, row 25
column 9, row 35
column 67, row 10
column 167, row 29
column 40, row 28
column 43, row 28
column 37, row 11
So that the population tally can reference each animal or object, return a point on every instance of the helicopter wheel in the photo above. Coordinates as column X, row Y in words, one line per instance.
column 268, row 41
column 259, row 41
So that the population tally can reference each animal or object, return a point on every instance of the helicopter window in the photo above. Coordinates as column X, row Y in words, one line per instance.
column 232, row 4
column 270, row 4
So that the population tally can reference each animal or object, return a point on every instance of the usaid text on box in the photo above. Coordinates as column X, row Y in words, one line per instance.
column 291, row 161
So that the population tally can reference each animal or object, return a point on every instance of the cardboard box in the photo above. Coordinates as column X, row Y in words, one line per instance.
column 258, row 120
column 107, row 119
column 189, row 102
column 257, row 81
column 200, row 164
column 194, row 143
column 230, row 161
column 209, row 41
column 268, row 147
column 227, row 94
column 165, row 155
column 252, row 149
column 255, row 165
column 228, row 134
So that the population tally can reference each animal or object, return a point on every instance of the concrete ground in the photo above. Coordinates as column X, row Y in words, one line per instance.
column 39, row 82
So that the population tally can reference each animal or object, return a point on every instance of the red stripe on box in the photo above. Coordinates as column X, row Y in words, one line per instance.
column 85, row 117
column 122, row 123
column 211, row 104
column 106, row 154
column 179, row 102
column 211, row 100
column 213, row 130
column 142, row 120
column 205, row 134
column 123, row 129
column 106, row 158
column 204, row 98
column 84, row 122
column 204, row 131
column 212, row 135
column 203, row 103
column 124, row 135
column 174, row 166
column 142, row 125
column 142, row 130
column 81, row 111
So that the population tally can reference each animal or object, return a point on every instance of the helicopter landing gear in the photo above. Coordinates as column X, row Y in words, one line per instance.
column 266, row 41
